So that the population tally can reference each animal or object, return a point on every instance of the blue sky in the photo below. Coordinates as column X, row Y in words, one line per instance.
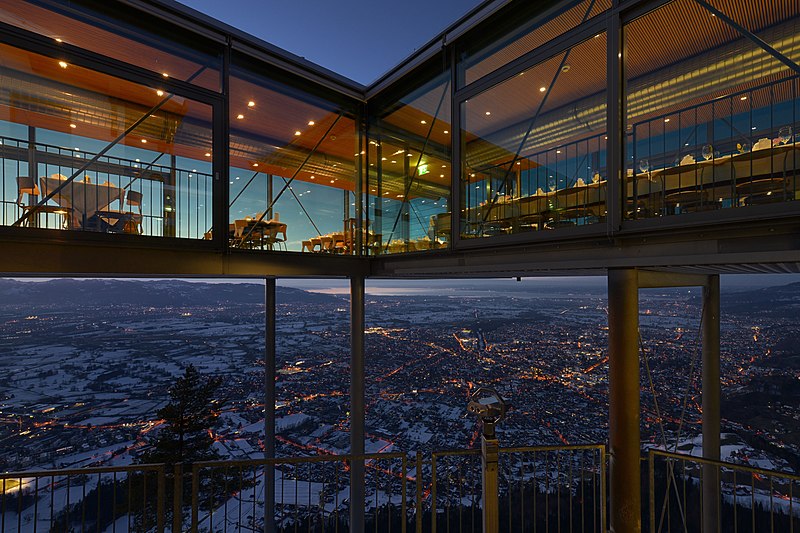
column 360, row 39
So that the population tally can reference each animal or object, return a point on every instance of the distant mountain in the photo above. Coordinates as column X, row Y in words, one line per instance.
column 777, row 300
column 156, row 293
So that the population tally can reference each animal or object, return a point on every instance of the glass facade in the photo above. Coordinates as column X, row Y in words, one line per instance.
column 116, row 120
column 86, row 151
column 410, row 166
column 293, row 180
column 711, row 115
column 534, row 147
column 131, row 37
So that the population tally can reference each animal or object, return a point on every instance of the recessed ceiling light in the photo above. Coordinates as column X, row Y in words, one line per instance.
column 383, row 159
column 73, row 126
column 333, row 181
column 255, row 164
column 519, row 162
column 423, row 121
column 444, row 166
column 58, row 40
column 165, row 74
column 63, row 64
column 394, row 162
column 743, row 98
column 558, row 151
column 240, row 116
column 666, row 120
column 410, row 155
column 298, row 132
column 311, row 122
column 542, row 89
column 312, row 177
column 251, row 104
column 159, row 92
column 208, row 154
column 144, row 141
column 441, row 175
column 488, row 113
column 446, row 132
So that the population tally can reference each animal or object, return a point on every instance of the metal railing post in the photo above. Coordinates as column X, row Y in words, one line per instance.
column 195, row 496
column 161, row 490
column 177, row 498
column 652, row 488
column 419, row 493
column 491, row 499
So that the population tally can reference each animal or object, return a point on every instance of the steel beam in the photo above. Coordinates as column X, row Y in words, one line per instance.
column 623, row 409
column 269, row 406
column 357, row 403
column 711, row 404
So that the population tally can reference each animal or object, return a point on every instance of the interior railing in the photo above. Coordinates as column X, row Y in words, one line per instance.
column 115, row 195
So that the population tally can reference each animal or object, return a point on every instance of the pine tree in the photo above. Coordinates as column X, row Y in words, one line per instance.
column 189, row 418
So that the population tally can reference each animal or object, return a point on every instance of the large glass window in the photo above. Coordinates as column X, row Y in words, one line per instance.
column 534, row 155
column 82, row 150
column 293, row 181
column 712, row 116
column 509, row 40
column 409, row 167
column 138, row 38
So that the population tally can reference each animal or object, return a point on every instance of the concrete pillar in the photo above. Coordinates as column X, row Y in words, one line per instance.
column 711, row 404
column 623, row 409
column 357, row 403
column 269, row 406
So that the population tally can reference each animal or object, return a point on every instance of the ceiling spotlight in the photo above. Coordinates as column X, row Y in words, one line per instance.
column 165, row 74
column 311, row 122
column 423, row 121
column 73, row 126
column 240, row 116
column 312, row 177
column 251, row 104
column 298, row 132
column 542, row 89
column 446, row 132
column 63, row 64
column 488, row 113
column 159, row 92
column 666, row 120
column 208, row 154
column 58, row 40
column 743, row 98
column 255, row 164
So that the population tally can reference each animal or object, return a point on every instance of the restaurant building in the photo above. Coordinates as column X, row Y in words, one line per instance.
column 650, row 141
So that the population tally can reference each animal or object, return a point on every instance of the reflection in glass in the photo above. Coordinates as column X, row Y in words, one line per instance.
column 89, row 152
column 535, row 147
column 717, row 92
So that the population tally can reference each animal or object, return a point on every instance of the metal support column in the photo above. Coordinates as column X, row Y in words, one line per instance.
column 269, row 406
column 623, row 409
column 357, row 403
column 711, row 403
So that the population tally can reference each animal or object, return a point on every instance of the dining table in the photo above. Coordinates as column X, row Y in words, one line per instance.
column 84, row 198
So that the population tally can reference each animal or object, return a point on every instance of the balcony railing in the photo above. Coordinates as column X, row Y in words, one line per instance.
column 541, row 488
column 745, row 499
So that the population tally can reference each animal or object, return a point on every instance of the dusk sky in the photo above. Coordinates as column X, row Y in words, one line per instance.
column 360, row 39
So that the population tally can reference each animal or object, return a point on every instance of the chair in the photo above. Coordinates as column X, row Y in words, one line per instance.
column 27, row 185
column 271, row 238
column 134, row 199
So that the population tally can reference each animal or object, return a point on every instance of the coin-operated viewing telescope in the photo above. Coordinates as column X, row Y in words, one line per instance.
column 490, row 408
